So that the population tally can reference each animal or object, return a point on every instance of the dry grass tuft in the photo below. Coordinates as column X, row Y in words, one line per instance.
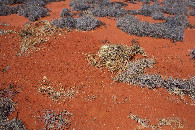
column 143, row 122
column 115, row 57
column 47, row 88
column 173, row 122
column 33, row 34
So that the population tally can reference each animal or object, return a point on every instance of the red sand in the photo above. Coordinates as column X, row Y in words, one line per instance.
column 63, row 61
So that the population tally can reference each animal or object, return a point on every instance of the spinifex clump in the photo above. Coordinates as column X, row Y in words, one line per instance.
column 115, row 57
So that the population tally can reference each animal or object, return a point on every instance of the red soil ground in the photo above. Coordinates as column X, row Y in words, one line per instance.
column 64, row 61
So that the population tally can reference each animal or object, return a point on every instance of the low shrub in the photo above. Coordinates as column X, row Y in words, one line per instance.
column 111, row 10
column 132, row 12
column 33, row 12
column 29, row 2
column 169, row 29
column 134, row 74
column 83, row 23
column 178, row 20
column 192, row 13
column 34, row 34
column 14, row 124
column 65, row 13
column 11, row 2
column 86, row 23
column 157, row 15
column 175, row 7
column 131, row 1
column 134, row 70
column 147, row 10
column 145, row 1
column 190, row 3
column 193, row 53
column 80, row 7
column 6, row 107
column 115, row 57
column 8, row 10
column 35, row 3
column 69, row 23
column 91, row 2
column 57, row 121
column 99, row 8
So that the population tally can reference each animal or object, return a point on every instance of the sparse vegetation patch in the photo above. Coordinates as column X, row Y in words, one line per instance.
column 7, row 106
column 193, row 53
column 46, row 88
column 57, row 121
column 8, row 10
column 35, row 34
column 173, row 122
column 115, row 57
column 33, row 12
column 110, row 10
column 84, row 23
column 143, row 122
column 118, row 58
column 172, row 29
column 133, row 70
column 175, row 86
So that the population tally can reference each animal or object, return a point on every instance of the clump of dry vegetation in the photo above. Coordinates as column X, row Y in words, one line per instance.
column 7, row 106
column 36, row 33
column 3, row 32
column 47, row 88
column 118, row 58
column 143, row 122
column 115, row 57
column 57, row 121
column 173, row 122
column 134, row 70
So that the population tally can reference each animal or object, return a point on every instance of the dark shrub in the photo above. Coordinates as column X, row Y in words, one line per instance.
column 91, row 2
column 8, row 10
column 33, row 12
column 86, row 23
column 178, row 20
column 120, row 3
column 80, row 7
column 175, row 7
column 146, row 1
column 35, row 3
column 169, row 30
column 131, row 1
column 132, row 12
column 11, row 2
column 157, row 15
column 150, row 81
column 190, row 3
column 111, row 10
column 192, row 13
column 14, row 124
column 6, row 107
column 65, row 23
column 183, row 86
column 65, row 13
column 193, row 53
column 147, row 10
column 133, row 70
column 56, row 121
